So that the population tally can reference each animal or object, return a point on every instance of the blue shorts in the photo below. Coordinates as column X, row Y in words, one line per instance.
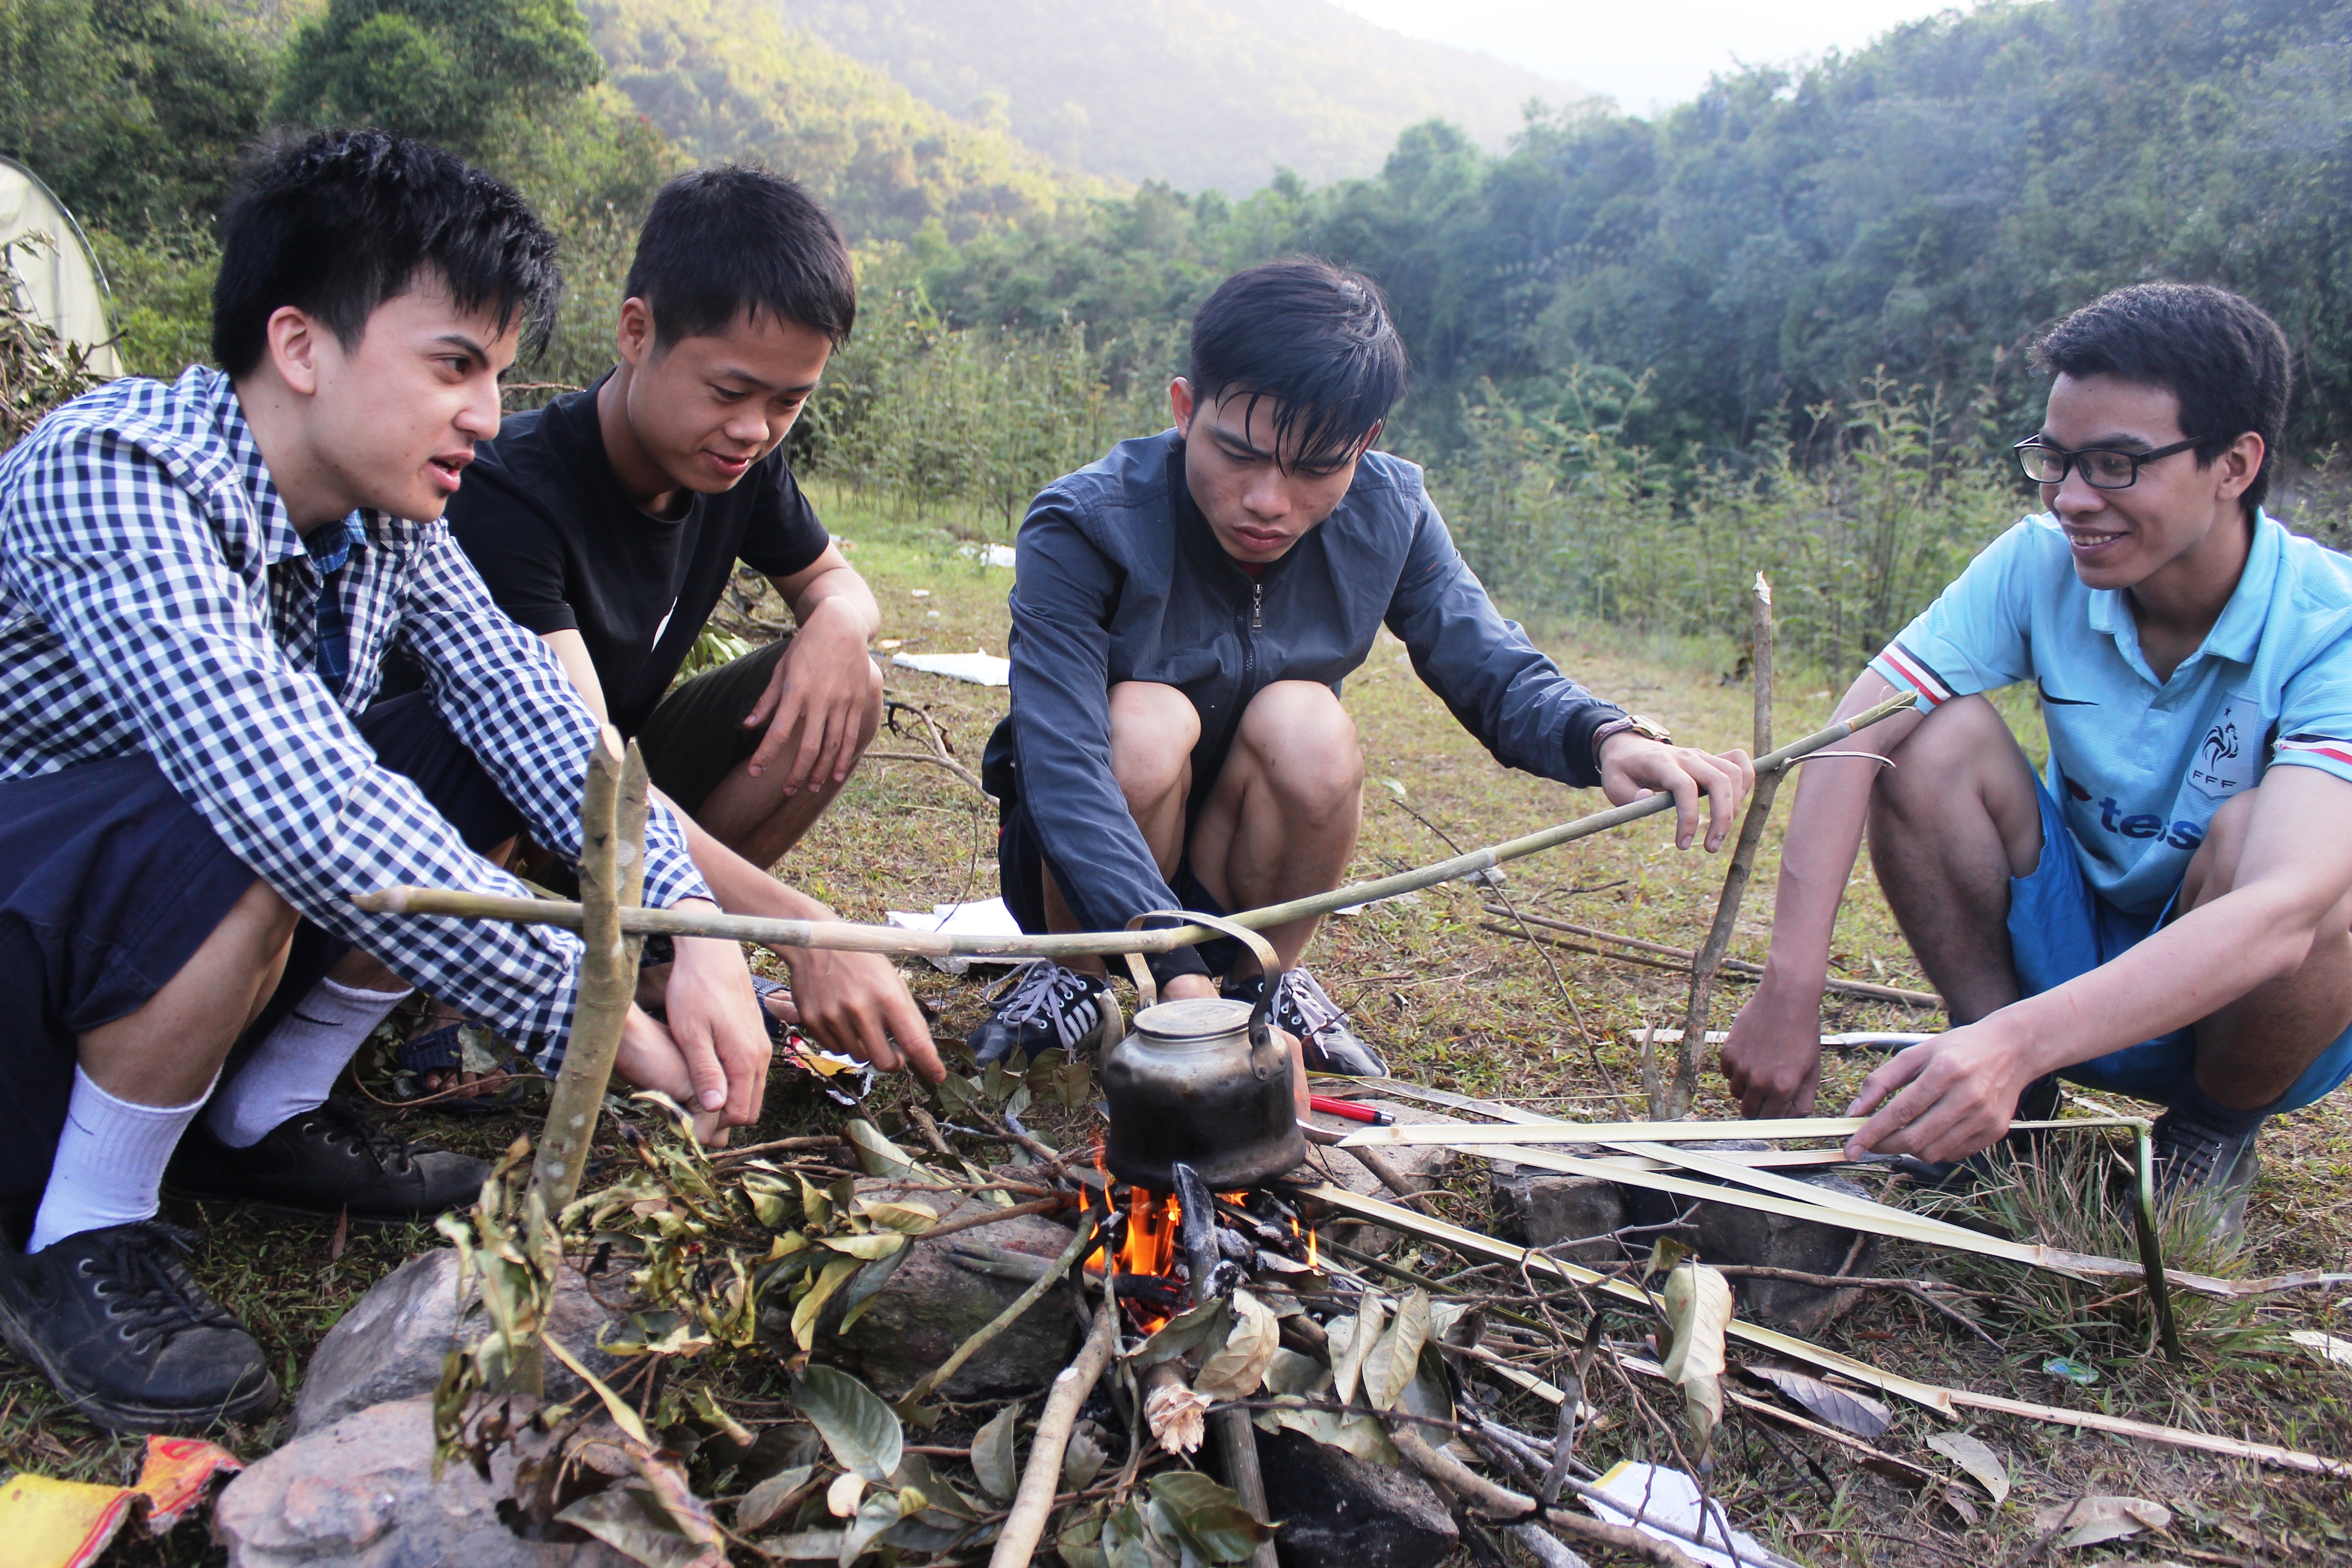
column 2059, row 928
column 110, row 881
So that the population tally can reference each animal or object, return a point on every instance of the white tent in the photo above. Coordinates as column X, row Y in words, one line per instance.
column 60, row 280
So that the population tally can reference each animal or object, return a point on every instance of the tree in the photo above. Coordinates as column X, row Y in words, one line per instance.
column 455, row 72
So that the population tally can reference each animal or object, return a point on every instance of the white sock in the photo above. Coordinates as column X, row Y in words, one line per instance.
column 109, row 1162
column 294, row 1067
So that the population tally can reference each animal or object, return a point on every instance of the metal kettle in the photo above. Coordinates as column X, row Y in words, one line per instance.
column 1203, row 1081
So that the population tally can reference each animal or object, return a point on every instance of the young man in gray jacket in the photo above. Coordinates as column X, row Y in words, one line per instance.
column 1183, row 613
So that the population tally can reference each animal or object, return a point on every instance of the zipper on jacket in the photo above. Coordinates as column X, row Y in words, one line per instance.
column 1257, row 605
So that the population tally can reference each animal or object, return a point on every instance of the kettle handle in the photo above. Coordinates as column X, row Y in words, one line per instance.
column 1261, row 1032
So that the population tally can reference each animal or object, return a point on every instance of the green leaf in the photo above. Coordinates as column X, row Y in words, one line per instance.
column 804, row 1314
column 1204, row 1324
column 907, row 1219
column 859, row 1429
column 869, row 1285
column 867, row 1248
column 875, row 1515
column 707, row 1407
column 802, row 1546
column 1391, row 1363
column 993, row 1456
column 1291, row 1373
column 767, row 1500
column 615, row 1406
column 630, row 1521
column 1082, row 1461
column 1079, row 1544
column 816, row 1208
column 878, row 1154
column 1211, row 1519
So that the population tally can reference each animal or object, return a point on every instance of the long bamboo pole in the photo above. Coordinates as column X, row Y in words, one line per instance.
column 850, row 936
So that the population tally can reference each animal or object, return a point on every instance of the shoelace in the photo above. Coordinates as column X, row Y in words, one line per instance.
column 1038, row 990
column 1303, row 1008
column 149, row 1290
column 353, row 1130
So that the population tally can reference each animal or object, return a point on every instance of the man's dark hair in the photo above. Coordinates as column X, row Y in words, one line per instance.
column 2221, row 356
column 1313, row 339
column 729, row 240
column 335, row 223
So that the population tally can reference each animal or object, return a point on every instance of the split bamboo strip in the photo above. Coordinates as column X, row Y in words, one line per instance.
column 1946, row 1402
column 848, row 936
column 1550, row 1131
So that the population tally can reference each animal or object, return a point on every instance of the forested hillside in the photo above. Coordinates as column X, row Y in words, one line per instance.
column 1202, row 94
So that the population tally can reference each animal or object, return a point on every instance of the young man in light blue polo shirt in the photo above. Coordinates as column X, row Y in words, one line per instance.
column 2168, row 913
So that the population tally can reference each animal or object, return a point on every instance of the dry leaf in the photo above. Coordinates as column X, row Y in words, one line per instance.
column 1349, row 1351
column 1239, row 1367
column 1984, row 1467
column 993, row 1458
column 1392, row 1362
column 1698, row 1307
column 841, row 1497
column 2329, row 1346
column 1855, row 1413
column 2091, row 1519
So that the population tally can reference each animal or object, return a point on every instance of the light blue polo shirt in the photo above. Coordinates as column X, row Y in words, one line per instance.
column 2140, row 766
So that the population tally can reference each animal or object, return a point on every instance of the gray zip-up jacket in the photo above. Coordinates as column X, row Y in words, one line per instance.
column 1117, row 577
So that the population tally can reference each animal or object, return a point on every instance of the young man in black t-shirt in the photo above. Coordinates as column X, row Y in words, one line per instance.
column 610, row 521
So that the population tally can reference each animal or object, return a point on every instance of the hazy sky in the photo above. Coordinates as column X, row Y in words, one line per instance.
column 1647, row 53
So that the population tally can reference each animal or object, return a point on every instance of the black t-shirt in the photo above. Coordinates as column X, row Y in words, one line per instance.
column 563, row 549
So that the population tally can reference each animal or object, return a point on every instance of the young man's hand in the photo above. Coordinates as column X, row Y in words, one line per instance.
column 712, row 1054
column 854, row 1003
column 1633, row 765
column 1951, row 1096
column 1773, row 1059
column 820, row 687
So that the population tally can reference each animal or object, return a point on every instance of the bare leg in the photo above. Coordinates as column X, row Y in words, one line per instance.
column 1153, row 730
column 755, row 817
column 167, row 1052
column 1950, row 823
column 2252, row 1050
column 1282, row 821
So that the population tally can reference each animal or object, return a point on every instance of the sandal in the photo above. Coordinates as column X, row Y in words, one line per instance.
column 442, row 1049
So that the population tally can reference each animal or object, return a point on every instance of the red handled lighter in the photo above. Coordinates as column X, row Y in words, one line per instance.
column 1349, row 1110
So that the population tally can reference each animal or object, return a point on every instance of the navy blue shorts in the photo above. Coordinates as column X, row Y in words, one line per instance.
column 109, row 883
column 2059, row 928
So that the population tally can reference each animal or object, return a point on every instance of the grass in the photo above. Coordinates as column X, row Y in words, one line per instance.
column 1462, row 1007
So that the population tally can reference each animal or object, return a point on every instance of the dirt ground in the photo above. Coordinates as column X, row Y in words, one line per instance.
column 1460, row 1001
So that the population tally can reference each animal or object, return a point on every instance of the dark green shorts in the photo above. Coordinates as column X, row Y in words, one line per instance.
column 695, row 735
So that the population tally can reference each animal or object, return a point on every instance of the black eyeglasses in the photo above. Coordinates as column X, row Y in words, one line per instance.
column 2102, row 468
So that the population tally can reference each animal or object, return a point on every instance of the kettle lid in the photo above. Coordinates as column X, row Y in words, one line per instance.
column 1194, row 1018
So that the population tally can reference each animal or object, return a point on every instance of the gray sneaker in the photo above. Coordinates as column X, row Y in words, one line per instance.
column 2194, row 1163
column 1302, row 1008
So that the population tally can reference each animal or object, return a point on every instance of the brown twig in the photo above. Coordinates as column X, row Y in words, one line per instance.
column 1676, row 1103
column 969, row 1222
column 1660, row 955
column 1032, row 1503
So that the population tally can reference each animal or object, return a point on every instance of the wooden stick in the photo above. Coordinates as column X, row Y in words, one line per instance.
column 1041, row 1478
column 849, row 937
column 609, row 877
column 1496, row 1502
column 1681, row 957
column 1684, row 1088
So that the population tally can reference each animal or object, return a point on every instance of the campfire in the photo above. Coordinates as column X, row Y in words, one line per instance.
column 1255, row 1233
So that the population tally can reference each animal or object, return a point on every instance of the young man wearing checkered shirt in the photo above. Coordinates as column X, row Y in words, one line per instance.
column 198, row 582
column 2167, row 915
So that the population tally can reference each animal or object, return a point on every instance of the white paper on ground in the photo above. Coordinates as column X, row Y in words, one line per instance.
column 990, row 554
column 1671, row 1497
column 984, row 917
column 980, row 669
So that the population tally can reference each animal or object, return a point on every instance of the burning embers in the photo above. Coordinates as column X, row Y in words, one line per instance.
column 1167, row 1253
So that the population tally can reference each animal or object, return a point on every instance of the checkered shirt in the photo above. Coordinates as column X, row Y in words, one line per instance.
column 155, row 597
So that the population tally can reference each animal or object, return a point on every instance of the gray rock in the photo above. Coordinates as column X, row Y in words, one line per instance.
column 935, row 1302
column 391, row 1345
column 1729, row 1234
column 1543, row 1208
column 361, row 1492
column 1332, row 1510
